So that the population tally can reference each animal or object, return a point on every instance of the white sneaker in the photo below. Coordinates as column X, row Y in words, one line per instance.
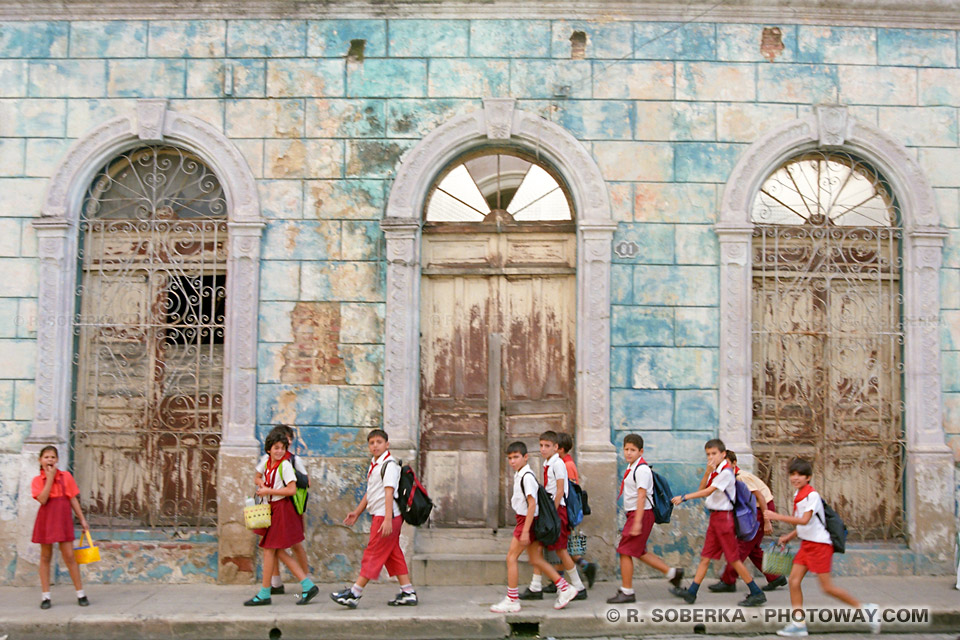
column 564, row 596
column 872, row 613
column 507, row 606
column 793, row 630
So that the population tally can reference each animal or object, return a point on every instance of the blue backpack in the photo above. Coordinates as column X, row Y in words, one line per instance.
column 574, row 504
column 662, row 507
column 745, row 520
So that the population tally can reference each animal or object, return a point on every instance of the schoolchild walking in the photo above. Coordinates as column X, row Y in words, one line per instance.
column 383, row 547
column 565, row 451
column 753, row 548
column 816, row 550
column 277, row 482
column 276, row 583
column 525, row 505
column 718, row 487
column 555, row 482
column 57, row 492
column 637, row 491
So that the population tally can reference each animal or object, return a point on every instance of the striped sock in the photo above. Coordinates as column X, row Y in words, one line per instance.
column 562, row 584
column 513, row 593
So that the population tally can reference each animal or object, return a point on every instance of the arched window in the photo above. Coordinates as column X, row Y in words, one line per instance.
column 827, row 336
column 149, row 338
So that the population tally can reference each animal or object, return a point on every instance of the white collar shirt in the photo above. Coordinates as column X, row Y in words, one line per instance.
column 377, row 483
column 279, row 478
column 724, row 481
column 815, row 530
column 524, row 484
column 556, row 470
column 639, row 476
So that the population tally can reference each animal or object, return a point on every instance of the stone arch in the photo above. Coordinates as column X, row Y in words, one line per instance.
column 500, row 122
column 929, row 462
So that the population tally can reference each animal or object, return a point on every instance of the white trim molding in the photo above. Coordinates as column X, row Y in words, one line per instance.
column 929, row 464
column 499, row 122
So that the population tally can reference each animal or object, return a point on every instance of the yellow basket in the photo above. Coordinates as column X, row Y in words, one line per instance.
column 87, row 553
column 257, row 516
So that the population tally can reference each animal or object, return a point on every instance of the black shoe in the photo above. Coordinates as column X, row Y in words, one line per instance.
column 581, row 595
column 45, row 603
column 307, row 596
column 723, row 587
column 753, row 600
column 276, row 590
column 779, row 581
column 550, row 588
column 83, row 602
column 256, row 601
column 531, row 595
column 590, row 572
column 688, row 597
column 622, row 598
column 677, row 577
column 404, row 599
column 346, row 598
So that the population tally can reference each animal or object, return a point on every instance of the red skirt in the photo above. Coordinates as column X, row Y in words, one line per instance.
column 54, row 522
column 286, row 526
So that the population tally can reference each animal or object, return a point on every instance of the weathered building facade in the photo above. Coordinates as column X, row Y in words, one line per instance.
column 737, row 220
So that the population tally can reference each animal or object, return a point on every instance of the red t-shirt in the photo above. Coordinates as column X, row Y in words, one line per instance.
column 63, row 485
column 571, row 468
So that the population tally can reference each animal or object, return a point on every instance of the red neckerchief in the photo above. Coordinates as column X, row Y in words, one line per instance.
column 270, row 473
column 640, row 461
column 545, row 466
column 374, row 463
column 802, row 493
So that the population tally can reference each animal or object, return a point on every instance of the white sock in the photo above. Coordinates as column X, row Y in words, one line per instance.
column 573, row 577
column 356, row 590
column 80, row 593
column 536, row 582
column 671, row 573
column 275, row 581
column 45, row 595
column 407, row 588
column 626, row 592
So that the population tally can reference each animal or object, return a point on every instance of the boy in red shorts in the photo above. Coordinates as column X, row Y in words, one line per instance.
column 524, row 503
column 718, row 486
column 637, row 491
column 816, row 550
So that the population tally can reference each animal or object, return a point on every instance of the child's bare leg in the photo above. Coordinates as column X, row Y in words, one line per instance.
column 290, row 563
column 565, row 560
column 626, row 571
column 796, row 595
column 742, row 571
column 653, row 560
column 701, row 570
column 269, row 563
column 513, row 563
column 826, row 583
column 535, row 552
column 66, row 550
column 46, row 554
column 301, row 554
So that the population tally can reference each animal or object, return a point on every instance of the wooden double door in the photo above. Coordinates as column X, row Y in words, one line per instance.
column 498, row 335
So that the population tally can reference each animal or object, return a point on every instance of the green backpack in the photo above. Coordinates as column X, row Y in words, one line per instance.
column 303, row 482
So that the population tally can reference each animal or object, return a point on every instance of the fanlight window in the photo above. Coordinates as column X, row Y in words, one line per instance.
column 498, row 186
column 150, row 340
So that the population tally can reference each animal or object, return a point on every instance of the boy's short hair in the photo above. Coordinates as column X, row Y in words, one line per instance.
column 517, row 447
column 731, row 456
column 550, row 436
column 801, row 466
column 565, row 441
column 378, row 433
column 716, row 443
column 635, row 439
column 273, row 438
column 283, row 431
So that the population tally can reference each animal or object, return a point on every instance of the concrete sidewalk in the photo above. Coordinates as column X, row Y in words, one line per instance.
column 208, row 612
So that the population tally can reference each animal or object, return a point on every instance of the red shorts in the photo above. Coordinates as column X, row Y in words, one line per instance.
column 636, row 546
column 383, row 551
column 721, row 538
column 815, row 556
column 518, row 530
column 561, row 542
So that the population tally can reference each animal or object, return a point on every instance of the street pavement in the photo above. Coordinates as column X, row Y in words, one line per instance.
column 213, row 612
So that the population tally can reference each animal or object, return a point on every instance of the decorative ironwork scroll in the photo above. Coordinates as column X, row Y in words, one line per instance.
column 149, row 341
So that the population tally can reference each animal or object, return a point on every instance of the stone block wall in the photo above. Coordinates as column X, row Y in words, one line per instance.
column 665, row 109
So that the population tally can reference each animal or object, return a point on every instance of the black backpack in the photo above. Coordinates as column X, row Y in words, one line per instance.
column 546, row 526
column 415, row 505
column 835, row 527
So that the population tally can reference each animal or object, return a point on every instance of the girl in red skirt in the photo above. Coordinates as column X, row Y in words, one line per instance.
column 56, row 491
column 278, row 482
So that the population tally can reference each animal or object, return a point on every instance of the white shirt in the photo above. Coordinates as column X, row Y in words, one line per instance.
column 376, row 486
column 556, row 470
column 283, row 476
column 815, row 530
column 524, row 484
column 722, row 498
column 639, row 476
column 297, row 464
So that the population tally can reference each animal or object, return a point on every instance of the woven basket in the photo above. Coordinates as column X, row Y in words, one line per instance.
column 577, row 544
column 777, row 561
column 87, row 553
column 257, row 516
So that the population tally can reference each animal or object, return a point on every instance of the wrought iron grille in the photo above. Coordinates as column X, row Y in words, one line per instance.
column 149, row 341
column 827, row 338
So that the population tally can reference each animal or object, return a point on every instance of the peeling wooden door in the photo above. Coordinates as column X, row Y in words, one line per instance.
column 520, row 286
